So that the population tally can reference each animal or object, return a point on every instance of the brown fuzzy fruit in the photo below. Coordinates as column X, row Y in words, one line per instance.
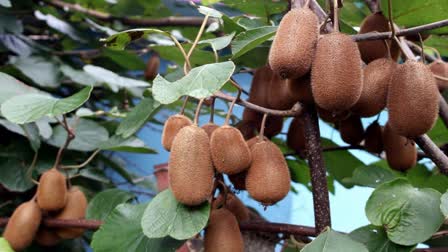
column 22, row 226
column 209, row 128
column 332, row 117
column 75, row 209
column 280, row 97
column 273, row 126
column 268, row 179
column 247, row 128
column 375, row 49
column 373, row 140
column 52, row 190
column 401, row 153
column 413, row 99
column 230, row 153
column 377, row 78
column 294, row 44
column 336, row 76
column 223, row 233
column 351, row 130
column 46, row 237
column 440, row 68
column 259, row 89
column 296, row 135
column 234, row 205
column 172, row 127
column 190, row 166
column 152, row 67
column 300, row 89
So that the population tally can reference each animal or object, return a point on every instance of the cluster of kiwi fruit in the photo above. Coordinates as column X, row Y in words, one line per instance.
column 328, row 71
column 52, row 199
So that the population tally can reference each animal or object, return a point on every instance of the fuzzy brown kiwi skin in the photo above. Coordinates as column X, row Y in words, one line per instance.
column 401, row 153
column 295, row 138
column 190, row 166
column 268, row 179
column 52, row 190
column 413, row 99
column 300, row 89
column 336, row 75
column 259, row 89
column 172, row 127
column 372, row 50
column 279, row 95
column 440, row 68
column 209, row 128
column 223, row 233
column 75, row 209
column 23, row 225
column 351, row 130
column 294, row 44
column 332, row 117
column 247, row 128
column 229, row 150
column 152, row 67
column 377, row 78
column 373, row 140
column 234, row 205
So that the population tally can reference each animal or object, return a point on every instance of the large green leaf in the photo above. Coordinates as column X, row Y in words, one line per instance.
column 375, row 239
column 42, row 71
column 4, row 245
column 444, row 204
column 164, row 216
column 137, row 117
column 438, row 42
column 199, row 57
column 219, row 43
column 88, row 134
column 371, row 176
column 438, row 132
column 410, row 13
column 200, row 82
column 409, row 215
column 29, row 130
column 122, row 39
column 14, row 174
column 114, row 80
column 31, row 107
column 104, row 202
column 79, row 76
column 125, row 59
column 331, row 241
column 12, row 87
column 250, row 39
column 130, row 144
column 122, row 232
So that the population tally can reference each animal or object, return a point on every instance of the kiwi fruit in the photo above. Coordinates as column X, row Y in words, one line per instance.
column 440, row 68
column 223, row 233
column 375, row 49
column 209, row 128
column 273, row 126
column 373, row 139
column 377, row 78
column 280, row 97
column 336, row 75
column 416, row 38
column 152, row 67
column 351, row 130
column 46, row 237
column 294, row 43
column 238, row 180
column 75, row 209
column 172, row 127
column 234, row 205
column 259, row 89
column 229, row 150
column 190, row 166
column 401, row 153
column 413, row 99
column 300, row 89
column 247, row 128
column 23, row 225
column 268, row 179
column 332, row 117
column 295, row 138
column 52, row 190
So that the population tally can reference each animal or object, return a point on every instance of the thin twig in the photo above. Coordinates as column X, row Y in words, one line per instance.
column 83, row 164
column 198, row 36
column 262, row 127
column 198, row 111
column 433, row 152
column 70, row 137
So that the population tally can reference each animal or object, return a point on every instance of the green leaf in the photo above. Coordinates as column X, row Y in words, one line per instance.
column 410, row 215
column 6, row 4
column 200, row 82
column 219, row 43
column 59, row 25
column 438, row 42
column 31, row 107
column 209, row 11
column 31, row 132
column 4, row 244
column 444, row 204
column 115, row 81
column 410, row 13
column 122, row 39
column 438, row 132
column 250, row 39
column 122, row 232
column 259, row 8
column 199, row 57
column 104, row 202
column 375, row 239
column 130, row 144
column 79, row 76
column 125, row 59
column 42, row 71
column 13, row 174
column 137, row 117
column 331, row 241
column 95, row 174
column 12, row 87
column 118, row 165
column 165, row 216
column 88, row 134
column 371, row 176
column 300, row 172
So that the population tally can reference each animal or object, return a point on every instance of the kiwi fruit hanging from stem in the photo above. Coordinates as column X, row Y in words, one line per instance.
column 373, row 139
column 401, row 153
column 222, row 233
column 75, row 209
column 351, row 130
column 152, row 67
column 172, row 127
column 52, row 190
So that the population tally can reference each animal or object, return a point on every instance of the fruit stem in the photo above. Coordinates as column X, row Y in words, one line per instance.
column 391, row 21
column 422, row 53
column 31, row 168
column 83, row 164
column 198, row 110
column 307, row 4
column 212, row 110
column 263, row 125
column 182, row 109
column 389, row 56
column 70, row 137
column 435, row 51
column 335, row 16
column 229, row 113
column 196, row 40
